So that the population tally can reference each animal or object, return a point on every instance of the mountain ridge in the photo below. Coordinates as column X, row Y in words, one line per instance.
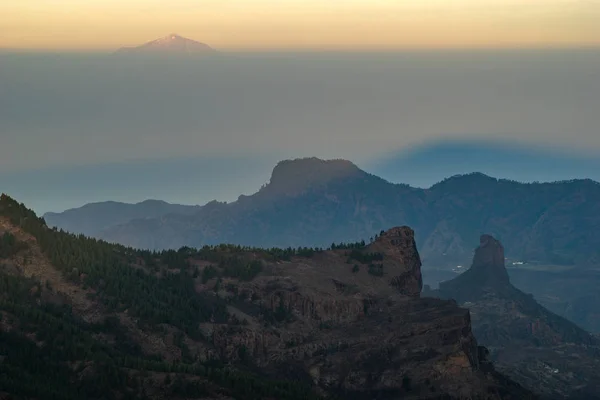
column 92, row 218
column 347, row 203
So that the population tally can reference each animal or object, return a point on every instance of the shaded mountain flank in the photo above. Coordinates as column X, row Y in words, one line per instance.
column 82, row 318
column 312, row 202
column 530, row 344
column 569, row 292
column 94, row 218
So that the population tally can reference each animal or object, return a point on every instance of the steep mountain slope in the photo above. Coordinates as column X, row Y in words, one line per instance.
column 531, row 344
column 551, row 223
column 228, row 322
column 93, row 218
column 311, row 202
column 571, row 293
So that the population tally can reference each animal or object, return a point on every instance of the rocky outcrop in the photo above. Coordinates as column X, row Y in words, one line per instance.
column 346, row 322
column 357, row 334
column 293, row 177
column 487, row 272
column 528, row 341
column 400, row 248
column 488, row 261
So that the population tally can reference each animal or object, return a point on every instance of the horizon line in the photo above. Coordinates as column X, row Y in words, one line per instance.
column 324, row 49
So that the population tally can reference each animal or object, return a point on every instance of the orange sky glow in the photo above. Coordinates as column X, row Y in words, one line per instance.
column 301, row 24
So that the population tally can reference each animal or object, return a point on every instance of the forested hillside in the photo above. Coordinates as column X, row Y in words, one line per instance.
column 82, row 318
column 45, row 345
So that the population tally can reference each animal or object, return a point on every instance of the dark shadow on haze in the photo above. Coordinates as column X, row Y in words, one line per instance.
column 71, row 110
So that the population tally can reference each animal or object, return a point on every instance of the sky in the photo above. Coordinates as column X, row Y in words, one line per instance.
column 301, row 24
column 78, row 128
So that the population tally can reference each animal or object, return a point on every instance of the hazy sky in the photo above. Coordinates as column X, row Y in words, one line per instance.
column 354, row 24
column 76, row 128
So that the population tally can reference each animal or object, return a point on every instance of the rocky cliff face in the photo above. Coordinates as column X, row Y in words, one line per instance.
column 294, row 177
column 358, row 333
column 531, row 344
column 488, row 261
column 487, row 272
column 402, row 257
column 347, row 322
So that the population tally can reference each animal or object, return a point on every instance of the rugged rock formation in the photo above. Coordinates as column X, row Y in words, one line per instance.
column 531, row 344
column 347, row 321
column 487, row 272
column 488, row 261
column 359, row 334
column 399, row 246
column 294, row 177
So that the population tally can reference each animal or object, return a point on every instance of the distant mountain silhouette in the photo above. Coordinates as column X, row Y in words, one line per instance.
column 170, row 44
column 311, row 202
column 93, row 218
